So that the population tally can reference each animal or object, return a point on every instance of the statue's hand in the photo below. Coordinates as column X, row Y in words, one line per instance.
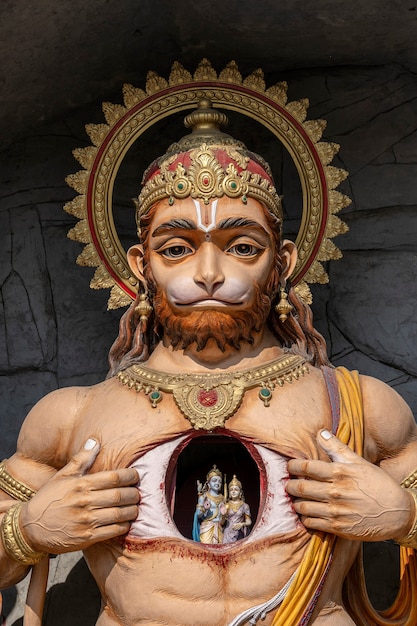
column 350, row 497
column 74, row 509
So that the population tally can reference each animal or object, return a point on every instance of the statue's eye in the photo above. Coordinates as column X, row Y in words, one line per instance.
column 176, row 252
column 244, row 250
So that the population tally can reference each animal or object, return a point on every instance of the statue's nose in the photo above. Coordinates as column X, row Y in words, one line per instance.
column 209, row 273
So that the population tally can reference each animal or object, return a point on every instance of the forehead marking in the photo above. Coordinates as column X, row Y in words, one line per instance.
column 200, row 224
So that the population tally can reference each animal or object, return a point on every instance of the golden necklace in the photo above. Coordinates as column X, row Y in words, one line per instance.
column 208, row 400
column 216, row 499
column 234, row 506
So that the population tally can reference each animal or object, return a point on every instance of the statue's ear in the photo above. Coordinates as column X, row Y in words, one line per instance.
column 135, row 260
column 289, row 258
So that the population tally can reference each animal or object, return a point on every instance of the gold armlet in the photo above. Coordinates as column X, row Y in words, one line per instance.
column 14, row 543
column 411, row 481
column 410, row 541
column 13, row 487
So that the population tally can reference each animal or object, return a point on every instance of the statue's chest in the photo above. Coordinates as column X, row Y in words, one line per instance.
column 170, row 473
column 254, row 445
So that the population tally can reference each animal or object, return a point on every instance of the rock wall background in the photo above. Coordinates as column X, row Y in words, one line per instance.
column 55, row 332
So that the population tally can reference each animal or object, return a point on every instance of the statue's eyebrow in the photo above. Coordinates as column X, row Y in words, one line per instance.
column 236, row 222
column 226, row 224
column 182, row 223
column 239, row 222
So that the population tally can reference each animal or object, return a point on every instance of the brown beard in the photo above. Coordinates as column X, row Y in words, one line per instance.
column 199, row 327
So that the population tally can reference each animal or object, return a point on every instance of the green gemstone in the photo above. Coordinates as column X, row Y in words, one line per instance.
column 155, row 395
column 265, row 393
column 233, row 185
column 180, row 186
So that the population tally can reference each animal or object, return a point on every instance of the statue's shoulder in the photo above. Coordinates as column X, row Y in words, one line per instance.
column 380, row 397
column 49, row 425
column 388, row 419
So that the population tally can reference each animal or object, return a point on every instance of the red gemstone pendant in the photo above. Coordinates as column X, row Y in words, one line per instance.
column 207, row 398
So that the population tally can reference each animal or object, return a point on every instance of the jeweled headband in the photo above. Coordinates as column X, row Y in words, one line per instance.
column 214, row 472
column 235, row 482
column 208, row 164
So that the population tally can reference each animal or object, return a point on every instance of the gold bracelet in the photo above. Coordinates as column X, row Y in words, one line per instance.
column 410, row 481
column 13, row 487
column 14, row 543
column 410, row 541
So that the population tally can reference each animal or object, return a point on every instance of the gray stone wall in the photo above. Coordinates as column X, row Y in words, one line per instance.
column 55, row 332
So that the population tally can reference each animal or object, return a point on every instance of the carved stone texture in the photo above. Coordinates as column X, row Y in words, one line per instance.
column 369, row 193
column 5, row 269
column 5, row 246
column 85, row 329
column 376, row 308
column 354, row 359
column 19, row 392
column 393, row 228
column 30, row 332
column 368, row 128
column 343, row 353
column 405, row 151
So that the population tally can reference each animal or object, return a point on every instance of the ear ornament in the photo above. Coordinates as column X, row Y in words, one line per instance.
column 144, row 308
column 283, row 307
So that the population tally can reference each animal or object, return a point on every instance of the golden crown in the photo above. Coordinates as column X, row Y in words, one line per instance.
column 214, row 472
column 208, row 164
column 235, row 482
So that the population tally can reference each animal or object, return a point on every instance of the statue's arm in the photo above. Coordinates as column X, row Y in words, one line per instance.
column 201, row 508
column 70, row 509
column 357, row 498
column 392, row 432
column 390, row 429
column 248, row 517
column 24, row 473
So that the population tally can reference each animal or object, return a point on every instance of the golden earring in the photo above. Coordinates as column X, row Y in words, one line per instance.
column 283, row 307
column 144, row 308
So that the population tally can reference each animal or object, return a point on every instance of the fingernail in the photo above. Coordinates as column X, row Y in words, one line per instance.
column 326, row 435
column 90, row 444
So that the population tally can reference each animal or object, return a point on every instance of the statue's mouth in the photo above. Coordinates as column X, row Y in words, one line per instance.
column 209, row 302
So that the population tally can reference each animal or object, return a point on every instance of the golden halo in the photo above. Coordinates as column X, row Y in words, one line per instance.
column 250, row 97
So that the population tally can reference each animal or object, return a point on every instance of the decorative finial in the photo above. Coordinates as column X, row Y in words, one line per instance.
column 206, row 121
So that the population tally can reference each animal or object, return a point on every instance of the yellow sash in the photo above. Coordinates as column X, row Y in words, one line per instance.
column 318, row 554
